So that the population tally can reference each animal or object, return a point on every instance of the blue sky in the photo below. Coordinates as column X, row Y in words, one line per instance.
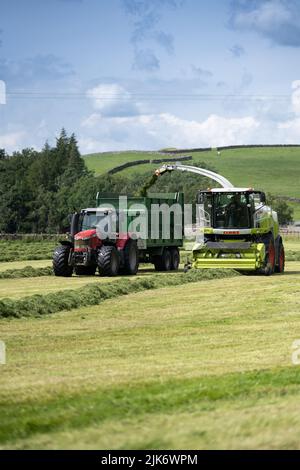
column 146, row 74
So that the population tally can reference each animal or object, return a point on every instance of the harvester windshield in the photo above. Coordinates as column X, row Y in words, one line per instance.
column 229, row 209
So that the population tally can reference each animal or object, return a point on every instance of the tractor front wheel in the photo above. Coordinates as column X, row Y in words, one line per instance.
column 108, row 261
column 61, row 265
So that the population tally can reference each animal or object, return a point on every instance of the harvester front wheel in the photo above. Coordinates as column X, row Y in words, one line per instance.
column 270, row 258
column 61, row 265
column 131, row 258
column 85, row 270
column 279, row 268
column 108, row 261
column 163, row 262
column 175, row 259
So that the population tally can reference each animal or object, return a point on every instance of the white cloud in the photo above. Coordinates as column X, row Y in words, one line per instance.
column 12, row 141
column 112, row 100
column 296, row 96
column 264, row 16
column 2, row 92
column 277, row 20
column 263, row 124
column 154, row 131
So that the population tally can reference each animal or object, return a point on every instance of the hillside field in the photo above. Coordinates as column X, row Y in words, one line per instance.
column 187, row 366
column 275, row 170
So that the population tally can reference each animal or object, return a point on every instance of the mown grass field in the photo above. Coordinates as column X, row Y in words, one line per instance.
column 202, row 365
column 275, row 170
column 21, row 251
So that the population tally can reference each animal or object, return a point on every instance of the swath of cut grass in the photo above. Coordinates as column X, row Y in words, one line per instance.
column 28, row 271
column 292, row 255
column 26, row 250
column 93, row 294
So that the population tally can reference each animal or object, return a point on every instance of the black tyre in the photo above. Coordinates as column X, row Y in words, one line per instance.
column 85, row 270
column 108, row 261
column 131, row 258
column 60, row 261
column 279, row 268
column 175, row 258
column 163, row 262
column 270, row 258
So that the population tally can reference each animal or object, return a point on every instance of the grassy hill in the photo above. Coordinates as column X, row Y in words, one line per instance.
column 274, row 169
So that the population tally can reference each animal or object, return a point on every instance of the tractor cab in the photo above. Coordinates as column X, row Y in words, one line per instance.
column 94, row 221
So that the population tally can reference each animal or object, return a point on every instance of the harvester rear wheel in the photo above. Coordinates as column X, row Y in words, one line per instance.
column 163, row 262
column 60, row 261
column 108, row 261
column 85, row 270
column 175, row 258
column 279, row 268
column 131, row 258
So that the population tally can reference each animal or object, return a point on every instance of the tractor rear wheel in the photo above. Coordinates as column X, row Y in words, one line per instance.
column 61, row 261
column 279, row 268
column 175, row 259
column 85, row 270
column 108, row 261
column 131, row 258
column 163, row 262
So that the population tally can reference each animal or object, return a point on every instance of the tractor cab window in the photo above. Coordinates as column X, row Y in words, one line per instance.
column 231, row 210
column 92, row 220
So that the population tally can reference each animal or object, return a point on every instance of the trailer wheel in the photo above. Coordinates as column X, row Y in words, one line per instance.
column 131, row 258
column 108, row 261
column 279, row 268
column 175, row 258
column 60, row 261
column 163, row 262
column 85, row 270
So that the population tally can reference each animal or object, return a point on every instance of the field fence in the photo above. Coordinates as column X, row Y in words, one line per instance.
column 290, row 233
column 30, row 237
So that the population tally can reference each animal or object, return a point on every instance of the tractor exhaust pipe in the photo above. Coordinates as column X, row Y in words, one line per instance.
column 74, row 225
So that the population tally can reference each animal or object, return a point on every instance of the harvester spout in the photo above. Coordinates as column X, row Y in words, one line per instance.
column 194, row 169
